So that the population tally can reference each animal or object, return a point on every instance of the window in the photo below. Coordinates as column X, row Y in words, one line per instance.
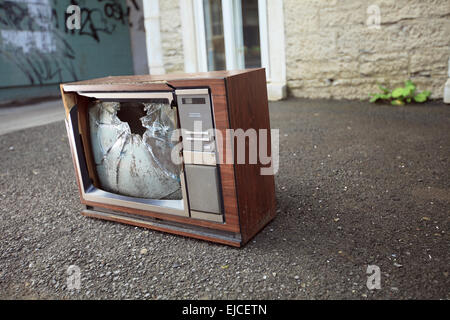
column 231, row 34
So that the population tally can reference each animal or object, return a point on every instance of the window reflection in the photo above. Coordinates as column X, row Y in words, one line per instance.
column 215, row 43
column 250, row 26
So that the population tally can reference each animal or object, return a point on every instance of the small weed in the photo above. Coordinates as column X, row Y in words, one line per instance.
column 401, row 95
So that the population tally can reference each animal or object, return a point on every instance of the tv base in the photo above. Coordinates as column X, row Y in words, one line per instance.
column 228, row 238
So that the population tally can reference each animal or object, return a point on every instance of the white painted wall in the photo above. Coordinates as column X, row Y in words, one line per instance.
column 447, row 86
column 153, row 36
column 189, row 36
column 276, row 87
column 138, row 37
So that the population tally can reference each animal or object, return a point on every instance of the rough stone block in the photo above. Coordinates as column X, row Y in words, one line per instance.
column 324, row 69
column 384, row 64
column 300, row 19
column 423, row 33
column 320, row 45
column 171, row 37
column 429, row 61
column 346, row 14
column 394, row 11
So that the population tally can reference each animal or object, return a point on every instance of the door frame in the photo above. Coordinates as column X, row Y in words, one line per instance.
column 271, row 41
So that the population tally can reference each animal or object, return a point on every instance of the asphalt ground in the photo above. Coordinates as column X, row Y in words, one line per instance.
column 358, row 185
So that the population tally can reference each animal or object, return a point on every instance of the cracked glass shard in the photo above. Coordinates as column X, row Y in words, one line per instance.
column 132, row 164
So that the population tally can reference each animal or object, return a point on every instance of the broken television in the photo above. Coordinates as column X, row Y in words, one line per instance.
column 124, row 152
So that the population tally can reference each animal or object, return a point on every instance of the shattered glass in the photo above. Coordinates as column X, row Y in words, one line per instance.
column 131, row 164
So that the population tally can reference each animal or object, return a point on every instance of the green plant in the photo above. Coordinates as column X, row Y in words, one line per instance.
column 401, row 95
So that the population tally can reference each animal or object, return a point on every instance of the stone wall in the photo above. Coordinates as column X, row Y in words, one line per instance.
column 171, row 36
column 332, row 53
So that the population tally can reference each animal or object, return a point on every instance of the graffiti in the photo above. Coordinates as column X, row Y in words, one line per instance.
column 32, row 42
column 96, row 21
column 115, row 11
column 35, row 38
column 138, row 22
column 88, row 26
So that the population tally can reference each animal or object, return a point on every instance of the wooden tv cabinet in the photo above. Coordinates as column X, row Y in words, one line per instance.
column 239, row 101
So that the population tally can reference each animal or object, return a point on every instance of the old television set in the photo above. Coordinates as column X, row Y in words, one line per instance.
column 155, row 151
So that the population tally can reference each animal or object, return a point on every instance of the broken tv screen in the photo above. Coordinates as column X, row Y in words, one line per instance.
column 131, row 146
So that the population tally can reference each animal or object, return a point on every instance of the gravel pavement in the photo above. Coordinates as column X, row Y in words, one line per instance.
column 358, row 185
